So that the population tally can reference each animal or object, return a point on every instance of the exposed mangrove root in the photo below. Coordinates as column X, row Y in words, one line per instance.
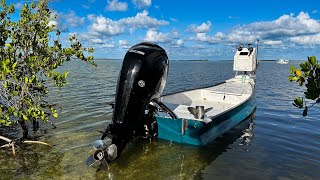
column 54, row 126
column 12, row 144
column 37, row 142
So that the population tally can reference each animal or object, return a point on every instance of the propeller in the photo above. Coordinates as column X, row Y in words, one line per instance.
column 199, row 113
column 104, row 151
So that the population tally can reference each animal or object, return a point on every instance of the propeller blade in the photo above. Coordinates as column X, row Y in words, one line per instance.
column 192, row 110
column 208, row 109
column 90, row 161
column 112, row 152
column 99, row 144
column 104, row 165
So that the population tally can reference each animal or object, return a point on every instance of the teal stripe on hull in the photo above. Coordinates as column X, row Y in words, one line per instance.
column 200, row 134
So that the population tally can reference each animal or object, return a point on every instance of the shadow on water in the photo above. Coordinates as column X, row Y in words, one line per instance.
column 166, row 160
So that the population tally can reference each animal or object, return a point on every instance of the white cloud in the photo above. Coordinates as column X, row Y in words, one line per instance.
column 142, row 3
column 203, row 28
column 53, row 20
column 108, row 45
column 239, row 36
column 104, row 26
column 95, row 41
column 108, row 27
column 179, row 43
column 62, row 21
column 271, row 42
column 124, row 44
column 203, row 37
column 72, row 19
column 173, row 19
column 285, row 26
column 301, row 29
column 154, row 36
column 102, row 29
column 142, row 20
column 53, row 23
column 169, row 39
column 115, row 5
column 175, row 34
column 309, row 39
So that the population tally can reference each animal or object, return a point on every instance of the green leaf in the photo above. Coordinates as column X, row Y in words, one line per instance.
column 8, row 123
column 25, row 117
column 298, row 102
column 305, row 66
column 28, row 60
column 15, row 93
column 14, row 65
column 312, row 60
column 305, row 111
column 55, row 115
column 292, row 69
column 307, row 73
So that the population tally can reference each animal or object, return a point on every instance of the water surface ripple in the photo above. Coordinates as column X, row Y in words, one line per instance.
column 279, row 143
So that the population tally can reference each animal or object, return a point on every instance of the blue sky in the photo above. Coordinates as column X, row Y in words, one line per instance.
column 192, row 29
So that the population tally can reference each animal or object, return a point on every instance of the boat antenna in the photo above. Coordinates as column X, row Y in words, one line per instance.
column 257, row 48
column 257, row 60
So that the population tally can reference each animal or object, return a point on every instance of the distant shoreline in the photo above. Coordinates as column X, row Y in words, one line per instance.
column 190, row 60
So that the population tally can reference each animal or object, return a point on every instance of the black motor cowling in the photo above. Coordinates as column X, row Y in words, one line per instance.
column 142, row 79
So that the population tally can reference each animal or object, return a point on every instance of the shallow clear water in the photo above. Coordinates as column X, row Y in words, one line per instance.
column 284, row 145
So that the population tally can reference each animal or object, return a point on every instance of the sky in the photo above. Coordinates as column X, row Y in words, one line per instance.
column 191, row 29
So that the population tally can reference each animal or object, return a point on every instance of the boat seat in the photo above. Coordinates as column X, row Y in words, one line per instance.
column 171, row 105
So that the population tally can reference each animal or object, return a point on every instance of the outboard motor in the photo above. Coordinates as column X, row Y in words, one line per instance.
column 142, row 79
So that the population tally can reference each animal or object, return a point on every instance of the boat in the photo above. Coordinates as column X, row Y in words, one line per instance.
column 193, row 117
column 282, row 61
column 223, row 106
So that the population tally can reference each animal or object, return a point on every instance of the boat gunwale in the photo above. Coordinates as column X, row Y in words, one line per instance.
column 223, row 112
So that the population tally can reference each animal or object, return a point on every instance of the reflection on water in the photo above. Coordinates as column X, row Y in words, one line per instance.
column 248, row 133
column 162, row 159
column 278, row 143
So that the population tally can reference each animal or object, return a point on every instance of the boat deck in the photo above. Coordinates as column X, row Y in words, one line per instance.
column 221, row 98
column 218, row 107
